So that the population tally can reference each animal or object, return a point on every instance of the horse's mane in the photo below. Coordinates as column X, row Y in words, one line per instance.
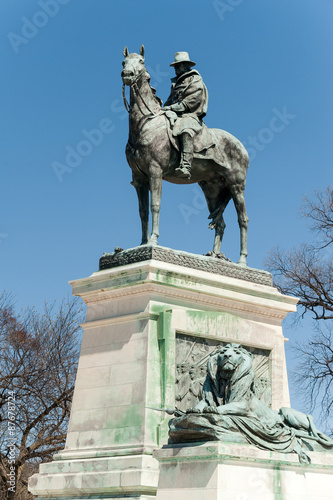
column 157, row 99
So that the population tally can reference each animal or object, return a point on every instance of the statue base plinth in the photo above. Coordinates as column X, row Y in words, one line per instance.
column 231, row 471
column 100, row 477
column 140, row 317
column 216, row 265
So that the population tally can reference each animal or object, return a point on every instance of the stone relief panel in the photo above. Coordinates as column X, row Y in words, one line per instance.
column 192, row 354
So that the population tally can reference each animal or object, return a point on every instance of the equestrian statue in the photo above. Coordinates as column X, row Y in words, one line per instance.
column 172, row 143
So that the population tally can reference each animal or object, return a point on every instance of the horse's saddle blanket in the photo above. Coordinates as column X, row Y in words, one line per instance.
column 206, row 145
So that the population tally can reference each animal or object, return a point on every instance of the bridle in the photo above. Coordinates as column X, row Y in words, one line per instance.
column 136, row 90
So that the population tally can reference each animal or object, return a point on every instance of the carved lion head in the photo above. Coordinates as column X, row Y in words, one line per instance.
column 232, row 365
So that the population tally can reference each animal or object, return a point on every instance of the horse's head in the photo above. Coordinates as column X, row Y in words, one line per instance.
column 134, row 66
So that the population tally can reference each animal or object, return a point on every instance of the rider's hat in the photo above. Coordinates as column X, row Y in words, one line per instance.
column 182, row 57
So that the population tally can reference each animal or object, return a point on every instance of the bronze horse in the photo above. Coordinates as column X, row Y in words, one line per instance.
column 153, row 158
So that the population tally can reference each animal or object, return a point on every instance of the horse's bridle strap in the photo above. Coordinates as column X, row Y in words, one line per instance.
column 127, row 106
column 137, row 90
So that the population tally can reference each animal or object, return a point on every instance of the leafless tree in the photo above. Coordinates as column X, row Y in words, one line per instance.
column 314, row 374
column 307, row 272
column 38, row 362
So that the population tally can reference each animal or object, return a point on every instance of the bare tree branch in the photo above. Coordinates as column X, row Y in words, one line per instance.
column 307, row 272
column 304, row 273
column 320, row 213
column 38, row 361
column 314, row 373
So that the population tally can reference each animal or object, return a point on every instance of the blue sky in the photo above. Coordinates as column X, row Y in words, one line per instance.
column 61, row 63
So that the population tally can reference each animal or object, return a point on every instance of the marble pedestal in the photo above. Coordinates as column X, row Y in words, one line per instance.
column 135, row 312
column 231, row 471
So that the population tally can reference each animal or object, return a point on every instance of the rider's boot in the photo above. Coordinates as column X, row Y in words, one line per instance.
column 184, row 169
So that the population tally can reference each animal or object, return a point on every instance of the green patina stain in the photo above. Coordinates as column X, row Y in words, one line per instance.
column 164, row 329
column 158, row 307
column 129, row 416
column 221, row 323
column 172, row 279
column 122, row 280
column 133, row 417
column 127, row 435
column 161, row 363
column 160, row 391
column 202, row 322
column 154, row 379
column 277, row 483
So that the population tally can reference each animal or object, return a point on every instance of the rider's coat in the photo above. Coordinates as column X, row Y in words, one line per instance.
column 190, row 90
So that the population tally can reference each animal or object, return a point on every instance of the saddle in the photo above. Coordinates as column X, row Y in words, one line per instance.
column 206, row 145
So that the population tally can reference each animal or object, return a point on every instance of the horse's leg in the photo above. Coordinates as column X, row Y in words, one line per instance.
column 239, row 200
column 217, row 196
column 155, row 182
column 142, row 190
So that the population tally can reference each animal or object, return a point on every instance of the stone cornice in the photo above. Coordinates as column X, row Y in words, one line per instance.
column 125, row 318
column 249, row 304
column 188, row 287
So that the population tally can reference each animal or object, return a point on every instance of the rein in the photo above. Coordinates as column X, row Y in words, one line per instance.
column 127, row 106
column 137, row 91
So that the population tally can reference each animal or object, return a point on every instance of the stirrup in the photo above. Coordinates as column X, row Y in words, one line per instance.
column 184, row 172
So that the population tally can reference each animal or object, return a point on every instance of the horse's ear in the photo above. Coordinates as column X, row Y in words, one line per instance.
column 125, row 52
column 142, row 51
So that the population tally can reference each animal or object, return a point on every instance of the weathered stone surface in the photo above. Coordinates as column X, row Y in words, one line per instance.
column 135, row 313
column 185, row 259
column 100, row 477
column 225, row 471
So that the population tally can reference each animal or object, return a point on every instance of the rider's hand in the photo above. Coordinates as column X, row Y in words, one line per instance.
column 210, row 409
column 193, row 410
column 179, row 107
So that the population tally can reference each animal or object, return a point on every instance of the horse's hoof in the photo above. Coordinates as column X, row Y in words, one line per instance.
column 242, row 261
column 223, row 257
